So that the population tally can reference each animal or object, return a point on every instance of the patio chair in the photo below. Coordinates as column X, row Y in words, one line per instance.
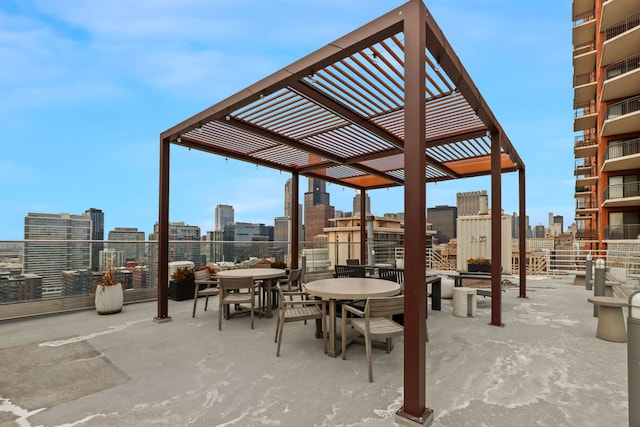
column 374, row 323
column 341, row 271
column 291, row 310
column 231, row 293
column 353, row 261
column 202, row 277
column 290, row 283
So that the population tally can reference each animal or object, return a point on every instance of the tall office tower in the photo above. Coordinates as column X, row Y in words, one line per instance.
column 468, row 203
column 606, row 63
column 317, row 193
column 356, row 203
column 97, row 233
column 224, row 216
column 443, row 222
column 317, row 209
column 49, row 247
column 316, row 220
column 287, row 198
column 539, row 232
column 123, row 239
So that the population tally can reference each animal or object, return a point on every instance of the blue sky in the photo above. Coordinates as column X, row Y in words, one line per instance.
column 88, row 86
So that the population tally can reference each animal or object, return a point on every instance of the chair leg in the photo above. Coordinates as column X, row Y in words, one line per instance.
column 195, row 302
column 206, row 302
column 220, row 311
column 344, row 339
column 277, row 328
column 279, row 333
column 367, row 343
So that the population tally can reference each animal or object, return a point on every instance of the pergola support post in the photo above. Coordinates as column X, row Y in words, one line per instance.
column 295, row 219
column 414, row 410
column 522, row 237
column 496, row 230
column 363, row 229
column 163, row 235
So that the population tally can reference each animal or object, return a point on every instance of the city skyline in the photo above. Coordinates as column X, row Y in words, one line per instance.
column 84, row 133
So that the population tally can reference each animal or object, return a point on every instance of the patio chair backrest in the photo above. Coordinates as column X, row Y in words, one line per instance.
column 342, row 271
column 384, row 306
column 392, row 274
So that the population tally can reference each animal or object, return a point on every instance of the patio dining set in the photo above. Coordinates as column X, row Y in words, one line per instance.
column 370, row 305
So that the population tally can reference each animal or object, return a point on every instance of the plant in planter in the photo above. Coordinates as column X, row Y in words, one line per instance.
column 182, row 285
column 478, row 265
column 109, row 296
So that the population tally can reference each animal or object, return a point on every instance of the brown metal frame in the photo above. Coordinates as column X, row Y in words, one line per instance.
column 389, row 104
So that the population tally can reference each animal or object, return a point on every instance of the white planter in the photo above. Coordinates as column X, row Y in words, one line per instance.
column 109, row 299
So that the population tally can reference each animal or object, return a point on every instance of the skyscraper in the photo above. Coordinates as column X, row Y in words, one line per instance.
column 97, row 233
column 443, row 222
column 317, row 209
column 132, row 251
column 606, row 101
column 50, row 247
column 224, row 216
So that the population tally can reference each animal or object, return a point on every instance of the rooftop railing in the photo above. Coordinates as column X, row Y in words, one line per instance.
column 32, row 292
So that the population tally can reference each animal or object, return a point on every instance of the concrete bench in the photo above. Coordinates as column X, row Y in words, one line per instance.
column 611, row 325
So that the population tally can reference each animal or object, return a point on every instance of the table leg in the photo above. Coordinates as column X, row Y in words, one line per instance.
column 333, row 349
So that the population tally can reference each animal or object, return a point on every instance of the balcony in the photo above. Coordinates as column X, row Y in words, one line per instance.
column 584, row 88
column 585, row 116
column 615, row 11
column 622, row 156
column 586, row 206
column 622, row 79
column 581, row 7
column 622, row 195
column 584, row 59
column 585, row 146
column 621, row 40
column 586, row 173
column 622, row 117
column 584, row 28
column 587, row 234
column 622, row 232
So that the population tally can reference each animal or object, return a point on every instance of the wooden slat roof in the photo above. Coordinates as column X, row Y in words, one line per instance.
column 338, row 114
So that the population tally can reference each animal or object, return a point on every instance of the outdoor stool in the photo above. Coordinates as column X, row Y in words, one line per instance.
column 464, row 302
column 610, row 318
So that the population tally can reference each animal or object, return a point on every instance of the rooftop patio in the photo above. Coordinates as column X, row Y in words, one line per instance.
column 544, row 367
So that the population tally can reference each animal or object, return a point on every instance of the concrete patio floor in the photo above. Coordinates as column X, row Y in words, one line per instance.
column 545, row 367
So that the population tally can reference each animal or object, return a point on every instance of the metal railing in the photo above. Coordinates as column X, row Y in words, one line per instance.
column 622, row 191
column 622, row 232
column 622, row 26
column 622, row 149
column 627, row 106
column 622, row 67
column 584, row 17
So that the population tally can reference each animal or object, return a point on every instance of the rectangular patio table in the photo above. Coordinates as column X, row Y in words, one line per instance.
column 353, row 288
column 268, row 274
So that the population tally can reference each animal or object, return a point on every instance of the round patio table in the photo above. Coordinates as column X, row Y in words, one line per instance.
column 268, row 274
column 353, row 288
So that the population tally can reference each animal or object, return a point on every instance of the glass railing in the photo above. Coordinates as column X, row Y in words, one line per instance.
column 36, row 279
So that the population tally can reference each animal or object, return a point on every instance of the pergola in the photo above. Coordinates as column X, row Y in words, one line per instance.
column 389, row 104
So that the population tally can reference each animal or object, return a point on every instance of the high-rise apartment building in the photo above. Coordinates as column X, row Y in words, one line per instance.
column 55, row 243
column 123, row 239
column 224, row 216
column 97, row 233
column 606, row 81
